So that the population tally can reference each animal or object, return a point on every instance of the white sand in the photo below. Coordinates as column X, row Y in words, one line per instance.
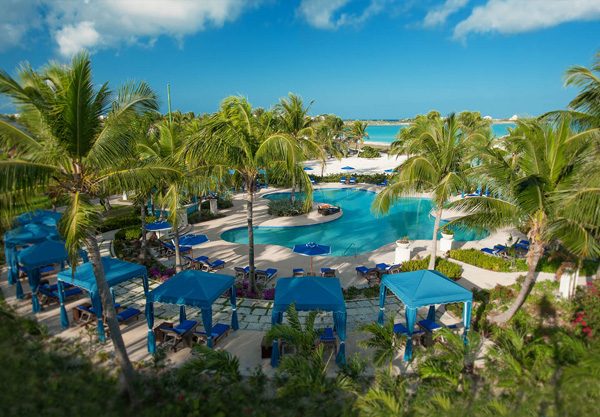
column 361, row 165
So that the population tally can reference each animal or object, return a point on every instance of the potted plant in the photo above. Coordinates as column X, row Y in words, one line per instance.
column 448, row 234
column 403, row 242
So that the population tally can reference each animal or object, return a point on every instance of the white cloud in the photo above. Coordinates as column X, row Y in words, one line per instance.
column 515, row 16
column 76, row 24
column 72, row 39
column 324, row 14
column 438, row 15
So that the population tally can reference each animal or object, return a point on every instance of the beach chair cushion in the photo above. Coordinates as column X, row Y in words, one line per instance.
column 401, row 329
column 215, row 264
column 270, row 272
column 326, row 334
column 218, row 331
column 183, row 327
column 128, row 314
column 363, row 270
column 490, row 251
column 298, row 271
column 352, row 180
column 343, row 180
column 430, row 325
column 383, row 266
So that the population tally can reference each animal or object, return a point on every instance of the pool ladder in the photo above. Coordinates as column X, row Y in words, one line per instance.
column 349, row 246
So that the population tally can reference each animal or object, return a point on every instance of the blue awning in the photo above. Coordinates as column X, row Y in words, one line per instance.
column 192, row 288
column 309, row 293
column 47, row 217
column 30, row 233
column 115, row 271
column 42, row 254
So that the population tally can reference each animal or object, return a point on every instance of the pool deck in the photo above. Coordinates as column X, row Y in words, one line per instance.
column 255, row 314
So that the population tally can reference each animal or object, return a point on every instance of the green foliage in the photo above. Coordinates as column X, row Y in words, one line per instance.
column 121, row 222
column 222, row 203
column 383, row 340
column 353, row 292
column 587, row 305
column 369, row 152
column 360, row 178
column 481, row 260
column 129, row 233
column 286, row 208
column 207, row 215
column 446, row 267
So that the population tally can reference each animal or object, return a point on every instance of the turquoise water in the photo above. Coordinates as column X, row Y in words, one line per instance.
column 358, row 225
column 388, row 134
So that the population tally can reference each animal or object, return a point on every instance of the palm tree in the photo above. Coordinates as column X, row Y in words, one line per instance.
column 436, row 151
column 295, row 121
column 383, row 340
column 234, row 139
column 357, row 132
column 536, row 173
column 71, row 138
column 303, row 338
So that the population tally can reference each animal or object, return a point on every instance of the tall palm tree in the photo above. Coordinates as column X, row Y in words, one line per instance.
column 357, row 132
column 436, row 152
column 540, row 193
column 71, row 137
column 384, row 342
column 234, row 139
column 295, row 121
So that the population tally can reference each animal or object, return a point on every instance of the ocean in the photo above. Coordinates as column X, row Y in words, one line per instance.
column 387, row 134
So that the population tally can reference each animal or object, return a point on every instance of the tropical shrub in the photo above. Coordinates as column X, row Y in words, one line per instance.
column 352, row 292
column 360, row 178
column 203, row 216
column 369, row 152
column 446, row 267
column 502, row 294
column 129, row 233
column 587, row 318
column 222, row 203
column 481, row 260
column 286, row 208
column 124, row 221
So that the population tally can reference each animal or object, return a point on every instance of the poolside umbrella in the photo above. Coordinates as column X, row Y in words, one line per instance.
column 389, row 170
column 348, row 168
column 312, row 249
column 193, row 240
column 158, row 226
column 307, row 168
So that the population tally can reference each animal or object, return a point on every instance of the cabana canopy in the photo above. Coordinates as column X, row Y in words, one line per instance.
column 310, row 293
column 47, row 217
column 191, row 288
column 28, row 234
column 115, row 271
column 35, row 257
column 423, row 288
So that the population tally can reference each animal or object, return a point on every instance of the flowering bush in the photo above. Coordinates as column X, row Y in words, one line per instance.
column 502, row 294
column 587, row 318
column 242, row 289
column 160, row 274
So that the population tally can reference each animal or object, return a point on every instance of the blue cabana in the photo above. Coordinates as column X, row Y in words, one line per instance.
column 191, row 288
column 28, row 234
column 264, row 172
column 423, row 288
column 47, row 217
column 311, row 293
column 35, row 257
column 115, row 271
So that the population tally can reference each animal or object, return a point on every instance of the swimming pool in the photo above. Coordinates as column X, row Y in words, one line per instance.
column 358, row 225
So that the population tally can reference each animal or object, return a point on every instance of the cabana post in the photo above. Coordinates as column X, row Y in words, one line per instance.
column 420, row 289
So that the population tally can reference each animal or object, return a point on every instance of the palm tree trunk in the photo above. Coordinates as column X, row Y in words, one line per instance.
column 535, row 253
column 177, row 258
column 292, row 195
column 111, row 317
column 436, row 227
column 143, row 248
column 152, row 205
column 251, row 273
column 598, row 272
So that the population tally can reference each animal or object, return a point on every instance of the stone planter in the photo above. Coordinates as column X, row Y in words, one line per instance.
column 402, row 252
column 403, row 245
column 446, row 242
column 447, row 236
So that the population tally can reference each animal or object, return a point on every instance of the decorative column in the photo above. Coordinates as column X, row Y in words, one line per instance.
column 402, row 251
column 446, row 242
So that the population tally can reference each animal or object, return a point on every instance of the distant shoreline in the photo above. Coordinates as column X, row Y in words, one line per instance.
column 390, row 123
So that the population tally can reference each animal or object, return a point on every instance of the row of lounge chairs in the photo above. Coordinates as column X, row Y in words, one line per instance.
column 263, row 276
column 344, row 181
column 501, row 250
column 186, row 332
column 373, row 275
column 200, row 262
column 423, row 336
column 84, row 314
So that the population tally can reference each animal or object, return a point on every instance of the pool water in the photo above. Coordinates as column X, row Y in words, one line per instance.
column 358, row 225
column 387, row 133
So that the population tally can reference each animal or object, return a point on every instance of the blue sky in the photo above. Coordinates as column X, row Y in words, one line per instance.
column 354, row 58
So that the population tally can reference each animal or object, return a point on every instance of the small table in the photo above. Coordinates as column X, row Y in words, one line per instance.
column 77, row 312
column 158, row 334
column 266, row 351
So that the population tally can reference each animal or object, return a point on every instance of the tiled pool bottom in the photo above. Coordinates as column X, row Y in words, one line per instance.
column 252, row 314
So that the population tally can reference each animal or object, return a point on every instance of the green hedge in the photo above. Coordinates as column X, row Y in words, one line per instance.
column 286, row 208
column 446, row 267
column 369, row 152
column 360, row 178
column 206, row 216
column 129, row 233
column 222, row 203
column 493, row 263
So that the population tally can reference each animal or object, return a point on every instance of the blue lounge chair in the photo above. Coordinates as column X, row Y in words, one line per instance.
column 363, row 270
column 212, row 266
column 312, row 180
column 87, row 314
column 218, row 332
column 54, row 287
column 382, row 266
column 48, row 269
column 267, row 275
column 400, row 329
column 50, row 296
column 129, row 314
column 328, row 272
column 493, row 252
column 176, row 334
column 298, row 272
column 241, row 272
column 343, row 180
column 384, row 183
column 430, row 325
column 524, row 242
column 500, row 247
column 352, row 180
column 327, row 338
